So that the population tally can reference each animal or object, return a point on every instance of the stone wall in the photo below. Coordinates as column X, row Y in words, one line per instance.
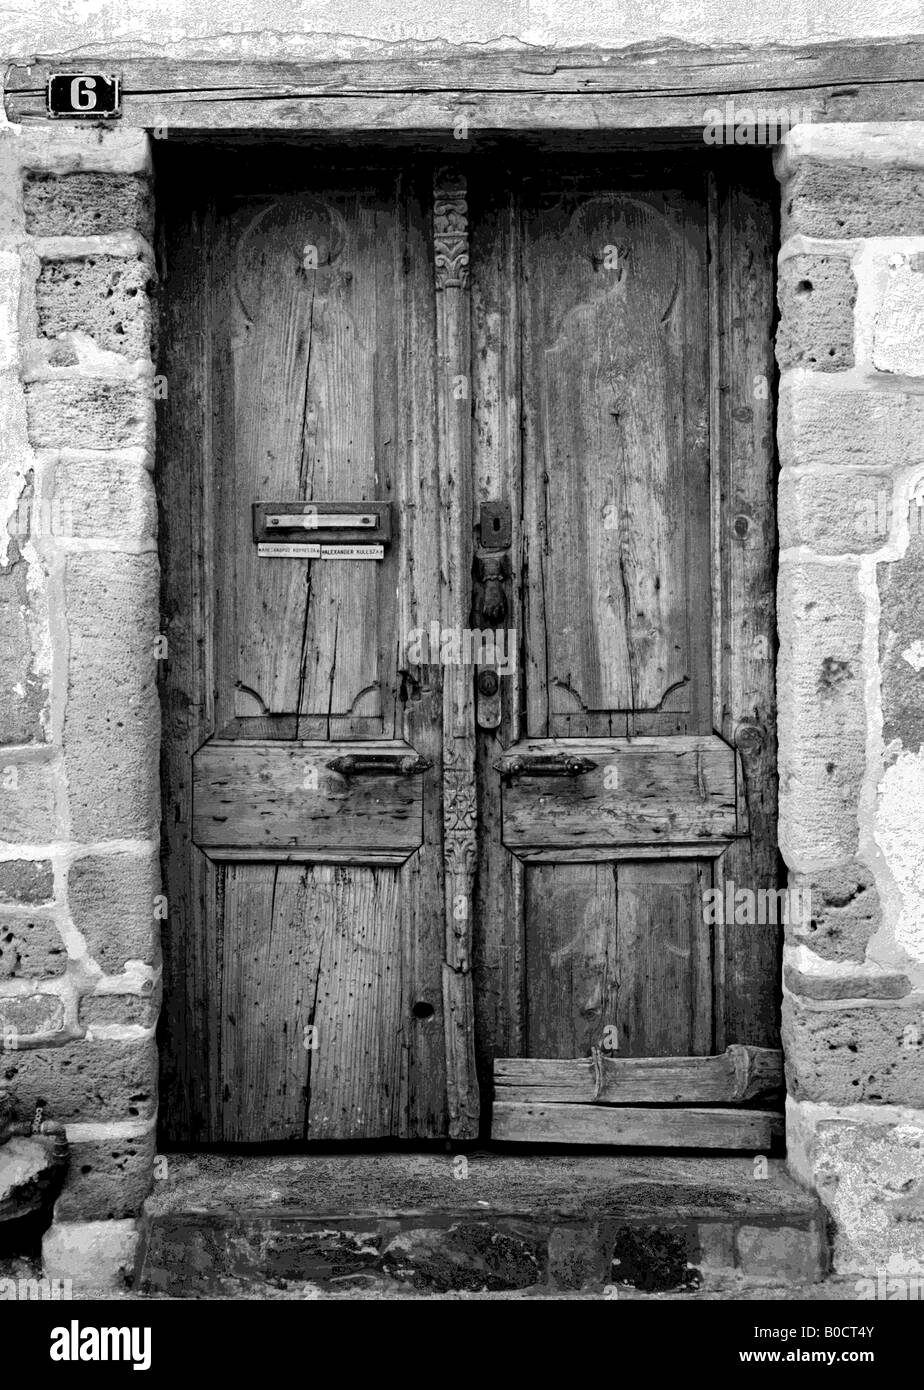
column 79, row 716
column 851, row 676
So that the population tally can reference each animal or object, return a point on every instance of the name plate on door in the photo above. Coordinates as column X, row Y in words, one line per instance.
column 292, row 550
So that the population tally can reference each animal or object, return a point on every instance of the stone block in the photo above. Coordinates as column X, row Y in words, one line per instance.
column 93, row 1255
column 85, row 1081
column 859, row 986
column 31, row 1015
column 28, row 802
column 817, row 294
column 578, row 1258
column 107, row 1178
column 823, row 199
column 26, row 881
column 867, row 1164
column 105, row 494
column 24, row 699
column 87, row 204
column 106, row 297
column 822, row 723
column 137, row 1009
column 820, row 422
column 111, row 900
column 785, row 1254
column 898, row 332
column 835, row 513
column 901, row 643
column 31, row 947
column 90, row 413
column 112, row 719
column 854, row 1056
column 845, row 911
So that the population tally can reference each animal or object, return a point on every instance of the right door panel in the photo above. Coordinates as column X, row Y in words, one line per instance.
column 623, row 350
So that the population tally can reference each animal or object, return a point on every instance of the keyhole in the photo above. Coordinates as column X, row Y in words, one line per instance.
column 495, row 523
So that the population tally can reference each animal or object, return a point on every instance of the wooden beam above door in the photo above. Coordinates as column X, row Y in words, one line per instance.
column 662, row 87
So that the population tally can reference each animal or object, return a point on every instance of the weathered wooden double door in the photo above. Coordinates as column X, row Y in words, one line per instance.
column 419, row 883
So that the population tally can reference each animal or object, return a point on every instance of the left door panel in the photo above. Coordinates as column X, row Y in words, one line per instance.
column 303, row 947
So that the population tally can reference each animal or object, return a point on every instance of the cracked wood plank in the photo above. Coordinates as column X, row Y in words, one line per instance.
column 737, row 1075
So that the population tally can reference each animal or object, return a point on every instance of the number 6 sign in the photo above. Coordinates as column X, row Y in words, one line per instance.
column 83, row 94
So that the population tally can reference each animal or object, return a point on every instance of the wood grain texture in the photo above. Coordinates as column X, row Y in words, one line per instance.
column 665, row 85
column 283, row 797
column 319, row 948
column 668, row 1127
column 499, row 947
column 604, row 350
column 743, row 232
column 296, row 374
column 737, row 1075
column 665, row 959
column 571, row 958
column 670, row 791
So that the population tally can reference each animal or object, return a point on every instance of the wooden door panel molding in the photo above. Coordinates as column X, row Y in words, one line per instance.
column 301, row 801
column 454, row 358
column 678, row 793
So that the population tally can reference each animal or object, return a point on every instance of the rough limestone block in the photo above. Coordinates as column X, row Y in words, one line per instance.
column 578, row 1257
column 108, row 1178
column 90, row 414
column 24, row 696
column 898, row 332
column 858, row 179
column 835, row 513
column 820, row 422
column 93, row 1255
column 111, row 899
column 26, row 881
column 852, row 1056
column 845, row 911
column 817, row 294
column 867, row 1164
column 87, row 204
column 112, row 718
column 136, row 1009
column 31, row 1015
column 901, row 642
column 106, row 297
column 781, row 1253
column 28, row 804
column 100, row 148
column 859, row 986
column 31, row 948
column 86, row 1081
column 105, row 494
column 831, row 200
column 822, row 713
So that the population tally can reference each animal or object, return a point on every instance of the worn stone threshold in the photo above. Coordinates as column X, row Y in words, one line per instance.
column 394, row 1224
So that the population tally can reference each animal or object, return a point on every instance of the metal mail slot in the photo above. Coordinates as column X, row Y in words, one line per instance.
column 339, row 522
column 311, row 521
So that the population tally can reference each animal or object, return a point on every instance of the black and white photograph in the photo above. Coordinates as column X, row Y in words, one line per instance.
column 461, row 683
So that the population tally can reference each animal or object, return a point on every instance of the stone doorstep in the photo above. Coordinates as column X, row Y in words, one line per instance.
column 658, row 1225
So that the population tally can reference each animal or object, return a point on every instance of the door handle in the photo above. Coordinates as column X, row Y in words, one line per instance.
column 544, row 765
column 380, row 764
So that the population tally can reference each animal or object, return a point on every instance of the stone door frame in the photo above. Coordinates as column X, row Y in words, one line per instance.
column 78, row 395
